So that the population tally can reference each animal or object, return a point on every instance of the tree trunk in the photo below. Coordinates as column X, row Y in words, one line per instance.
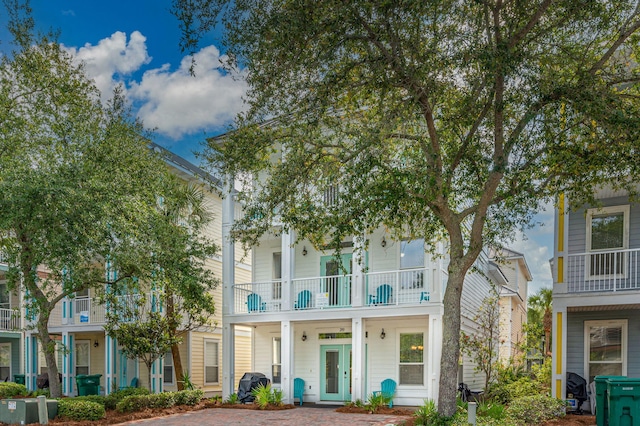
column 48, row 345
column 177, row 366
column 547, row 321
column 450, row 343
column 149, row 376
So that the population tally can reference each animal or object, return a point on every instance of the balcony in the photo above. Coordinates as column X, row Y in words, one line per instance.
column 389, row 288
column 9, row 320
column 603, row 271
column 93, row 311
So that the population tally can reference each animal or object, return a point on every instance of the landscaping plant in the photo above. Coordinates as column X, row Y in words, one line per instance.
column 10, row 390
column 80, row 409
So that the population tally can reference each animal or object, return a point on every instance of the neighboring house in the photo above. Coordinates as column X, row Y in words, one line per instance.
column 596, row 291
column 10, row 328
column 344, row 324
column 510, row 271
column 77, row 323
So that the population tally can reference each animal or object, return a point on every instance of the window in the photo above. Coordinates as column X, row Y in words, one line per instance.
column 330, row 195
column 5, row 301
column 411, row 359
column 167, row 369
column 607, row 235
column 412, row 257
column 210, row 361
column 276, row 366
column 82, row 357
column 277, row 275
column 605, row 348
column 82, row 294
column 5, row 361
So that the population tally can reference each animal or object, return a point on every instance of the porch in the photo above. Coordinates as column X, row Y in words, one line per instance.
column 603, row 271
column 368, row 290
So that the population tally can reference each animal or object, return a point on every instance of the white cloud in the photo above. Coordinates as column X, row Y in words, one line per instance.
column 112, row 57
column 177, row 103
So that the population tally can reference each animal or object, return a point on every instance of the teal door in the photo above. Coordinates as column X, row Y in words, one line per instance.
column 335, row 372
column 127, row 369
column 336, row 285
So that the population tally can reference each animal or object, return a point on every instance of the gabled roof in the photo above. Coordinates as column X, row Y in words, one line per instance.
column 185, row 166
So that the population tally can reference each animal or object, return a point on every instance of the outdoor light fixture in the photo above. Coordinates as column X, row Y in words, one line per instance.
column 96, row 344
column 383, row 334
column 304, row 336
column 304, row 250
column 383, row 243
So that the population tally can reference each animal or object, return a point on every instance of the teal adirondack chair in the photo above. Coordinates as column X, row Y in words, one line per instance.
column 304, row 300
column 255, row 303
column 388, row 389
column 383, row 295
column 298, row 388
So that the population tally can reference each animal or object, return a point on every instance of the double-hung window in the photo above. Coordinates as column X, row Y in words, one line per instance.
column 605, row 348
column 607, row 238
column 211, row 364
column 167, row 369
column 276, row 359
column 411, row 359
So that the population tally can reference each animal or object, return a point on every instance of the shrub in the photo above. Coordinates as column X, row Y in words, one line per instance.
column 36, row 393
column 376, row 401
column 535, row 409
column 427, row 414
column 232, row 399
column 112, row 400
column 276, row 397
column 188, row 397
column 492, row 410
column 75, row 409
column 133, row 403
column 162, row 400
column 10, row 389
column 504, row 393
column 93, row 398
column 262, row 395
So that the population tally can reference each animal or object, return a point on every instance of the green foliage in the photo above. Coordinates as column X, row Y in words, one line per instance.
column 276, row 397
column 513, row 382
column 535, row 409
column 188, row 397
column 93, row 398
column 80, row 409
column 427, row 415
column 36, row 393
column 161, row 400
column 133, row 403
column 232, row 399
column 262, row 395
column 10, row 389
column 490, row 409
column 376, row 401
column 111, row 400
column 186, row 381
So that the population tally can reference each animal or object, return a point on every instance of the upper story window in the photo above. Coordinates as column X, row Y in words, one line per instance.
column 607, row 235
column 277, row 276
column 412, row 257
column 5, row 298
column 330, row 195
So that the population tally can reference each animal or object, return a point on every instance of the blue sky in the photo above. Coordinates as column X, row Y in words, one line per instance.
column 136, row 43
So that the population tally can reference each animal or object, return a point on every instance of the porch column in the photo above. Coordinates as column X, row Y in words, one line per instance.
column 287, row 353
column 288, row 254
column 110, row 376
column 228, row 360
column 358, row 346
column 228, row 280
column 559, row 350
column 31, row 360
column 434, row 353
column 67, row 363
column 357, row 271
column 156, row 375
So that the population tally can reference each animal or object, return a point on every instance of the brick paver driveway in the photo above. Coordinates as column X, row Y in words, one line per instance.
column 309, row 416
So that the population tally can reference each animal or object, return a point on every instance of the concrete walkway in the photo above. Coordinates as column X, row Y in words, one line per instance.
column 305, row 415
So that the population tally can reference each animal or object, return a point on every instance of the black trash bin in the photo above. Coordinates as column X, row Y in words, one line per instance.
column 249, row 382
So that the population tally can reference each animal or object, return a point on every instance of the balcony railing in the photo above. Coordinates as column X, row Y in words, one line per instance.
column 92, row 311
column 9, row 319
column 603, row 271
column 402, row 287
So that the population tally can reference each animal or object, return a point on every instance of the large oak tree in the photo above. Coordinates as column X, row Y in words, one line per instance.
column 438, row 118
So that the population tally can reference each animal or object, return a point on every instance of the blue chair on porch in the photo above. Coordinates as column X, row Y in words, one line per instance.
column 298, row 388
column 388, row 390
column 383, row 295
column 255, row 303
column 304, row 300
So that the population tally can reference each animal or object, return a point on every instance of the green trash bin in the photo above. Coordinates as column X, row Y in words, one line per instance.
column 19, row 379
column 624, row 401
column 602, row 407
column 88, row 384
